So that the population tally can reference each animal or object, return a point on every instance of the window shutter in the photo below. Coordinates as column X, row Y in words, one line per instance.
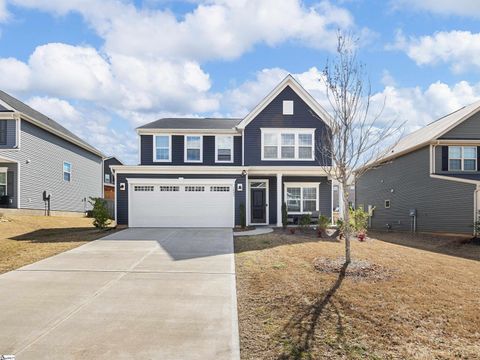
column 3, row 132
column 444, row 158
column 10, row 183
column 478, row 158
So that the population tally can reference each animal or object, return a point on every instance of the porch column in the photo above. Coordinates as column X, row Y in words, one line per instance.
column 247, row 200
column 279, row 200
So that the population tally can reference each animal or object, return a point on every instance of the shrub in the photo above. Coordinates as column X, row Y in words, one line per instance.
column 243, row 217
column 476, row 225
column 323, row 223
column 284, row 216
column 359, row 220
column 305, row 221
column 101, row 217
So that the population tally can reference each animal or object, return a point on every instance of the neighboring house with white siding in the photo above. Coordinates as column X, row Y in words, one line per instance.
column 38, row 156
column 430, row 181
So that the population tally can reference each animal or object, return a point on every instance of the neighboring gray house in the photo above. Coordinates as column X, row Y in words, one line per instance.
column 39, row 156
column 201, row 172
column 430, row 181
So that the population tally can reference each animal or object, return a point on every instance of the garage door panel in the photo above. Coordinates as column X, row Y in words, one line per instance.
column 205, row 205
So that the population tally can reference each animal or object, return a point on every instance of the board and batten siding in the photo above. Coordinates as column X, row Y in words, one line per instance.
column 122, row 195
column 272, row 117
column 11, row 137
column 41, row 156
column 441, row 205
column 178, row 151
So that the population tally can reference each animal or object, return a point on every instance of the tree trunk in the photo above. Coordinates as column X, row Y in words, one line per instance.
column 347, row 226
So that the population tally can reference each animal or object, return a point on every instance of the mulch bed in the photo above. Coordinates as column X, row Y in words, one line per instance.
column 357, row 269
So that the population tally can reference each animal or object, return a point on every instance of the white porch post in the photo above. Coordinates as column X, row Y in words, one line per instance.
column 279, row 200
column 247, row 200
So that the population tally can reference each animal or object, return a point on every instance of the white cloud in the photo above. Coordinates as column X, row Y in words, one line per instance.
column 460, row 49
column 469, row 8
column 215, row 29
column 4, row 14
column 14, row 75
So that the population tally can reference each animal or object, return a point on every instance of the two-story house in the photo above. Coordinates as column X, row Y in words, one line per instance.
column 42, row 164
column 430, row 180
column 201, row 172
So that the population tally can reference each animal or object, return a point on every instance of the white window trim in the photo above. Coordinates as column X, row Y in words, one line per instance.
column 267, row 199
column 389, row 204
column 462, row 158
column 4, row 170
column 279, row 132
column 287, row 185
column 169, row 148
column 185, row 148
column 63, row 171
column 232, row 149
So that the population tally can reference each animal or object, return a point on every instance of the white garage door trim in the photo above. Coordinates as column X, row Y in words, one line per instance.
column 179, row 182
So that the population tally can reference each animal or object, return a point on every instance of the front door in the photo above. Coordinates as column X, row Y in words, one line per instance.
column 259, row 206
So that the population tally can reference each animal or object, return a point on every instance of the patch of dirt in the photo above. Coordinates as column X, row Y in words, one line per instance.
column 357, row 269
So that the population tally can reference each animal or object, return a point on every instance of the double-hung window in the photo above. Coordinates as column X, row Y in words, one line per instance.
column 163, row 148
column 224, row 149
column 67, row 171
column 462, row 158
column 301, row 198
column 3, row 181
column 288, row 144
column 193, row 148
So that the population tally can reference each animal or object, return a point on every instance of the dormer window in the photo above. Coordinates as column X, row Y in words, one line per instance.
column 287, row 107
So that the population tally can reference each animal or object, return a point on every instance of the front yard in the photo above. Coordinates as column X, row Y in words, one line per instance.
column 27, row 239
column 421, row 304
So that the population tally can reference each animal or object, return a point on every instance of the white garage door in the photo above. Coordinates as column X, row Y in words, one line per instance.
column 182, row 203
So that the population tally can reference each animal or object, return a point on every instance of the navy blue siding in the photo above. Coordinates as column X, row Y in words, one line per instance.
column 146, row 144
column 106, row 168
column 272, row 117
column 122, row 195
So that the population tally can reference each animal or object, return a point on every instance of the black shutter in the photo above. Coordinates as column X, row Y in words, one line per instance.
column 444, row 158
column 3, row 132
column 478, row 158
column 10, row 183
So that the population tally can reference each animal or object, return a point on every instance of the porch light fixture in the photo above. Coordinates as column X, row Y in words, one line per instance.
column 244, row 172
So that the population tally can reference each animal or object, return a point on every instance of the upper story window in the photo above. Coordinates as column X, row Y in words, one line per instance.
column 193, row 148
column 67, row 171
column 3, row 132
column 107, row 178
column 288, row 144
column 462, row 158
column 224, row 149
column 287, row 107
column 162, row 148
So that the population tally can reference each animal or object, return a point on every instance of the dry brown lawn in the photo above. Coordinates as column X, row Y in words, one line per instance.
column 26, row 239
column 427, row 308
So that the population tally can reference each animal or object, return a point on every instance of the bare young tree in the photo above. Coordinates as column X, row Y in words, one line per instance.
column 356, row 138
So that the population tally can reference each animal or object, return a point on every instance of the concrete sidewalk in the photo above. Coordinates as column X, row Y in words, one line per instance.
column 139, row 293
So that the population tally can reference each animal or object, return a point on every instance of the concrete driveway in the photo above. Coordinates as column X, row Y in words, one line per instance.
column 136, row 294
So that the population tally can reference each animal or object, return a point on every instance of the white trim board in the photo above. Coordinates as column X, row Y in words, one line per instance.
column 267, row 199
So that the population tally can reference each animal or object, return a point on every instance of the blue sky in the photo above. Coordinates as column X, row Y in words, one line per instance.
column 101, row 68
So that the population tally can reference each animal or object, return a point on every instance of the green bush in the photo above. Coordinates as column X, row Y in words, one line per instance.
column 323, row 222
column 284, row 216
column 305, row 221
column 243, row 216
column 101, row 217
column 359, row 220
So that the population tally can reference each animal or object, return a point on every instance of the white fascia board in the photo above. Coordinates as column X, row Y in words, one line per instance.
column 304, row 95
column 181, row 181
column 8, row 116
column 456, row 142
column 188, row 131
column 451, row 178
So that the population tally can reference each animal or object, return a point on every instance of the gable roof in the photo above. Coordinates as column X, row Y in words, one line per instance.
column 193, row 123
column 289, row 80
column 431, row 132
column 29, row 114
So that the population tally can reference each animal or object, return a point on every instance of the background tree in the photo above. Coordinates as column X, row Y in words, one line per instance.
column 356, row 138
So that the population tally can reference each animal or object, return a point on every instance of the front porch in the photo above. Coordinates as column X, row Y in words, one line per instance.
column 302, row 194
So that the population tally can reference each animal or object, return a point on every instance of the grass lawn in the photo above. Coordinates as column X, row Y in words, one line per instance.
column 427, row 307
column 26, row 239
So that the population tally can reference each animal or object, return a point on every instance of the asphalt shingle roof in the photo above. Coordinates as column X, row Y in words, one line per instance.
column 45, row 120
column 193, row 123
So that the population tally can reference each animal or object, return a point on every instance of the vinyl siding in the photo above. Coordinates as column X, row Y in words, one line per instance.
column 442, row 205
column 469, row 129
column 178, row 151
column 271, row 117
column 41, row 156
column 11, row 137
column 122, row 195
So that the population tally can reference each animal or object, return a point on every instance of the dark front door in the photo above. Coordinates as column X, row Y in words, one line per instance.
column 259, row 206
